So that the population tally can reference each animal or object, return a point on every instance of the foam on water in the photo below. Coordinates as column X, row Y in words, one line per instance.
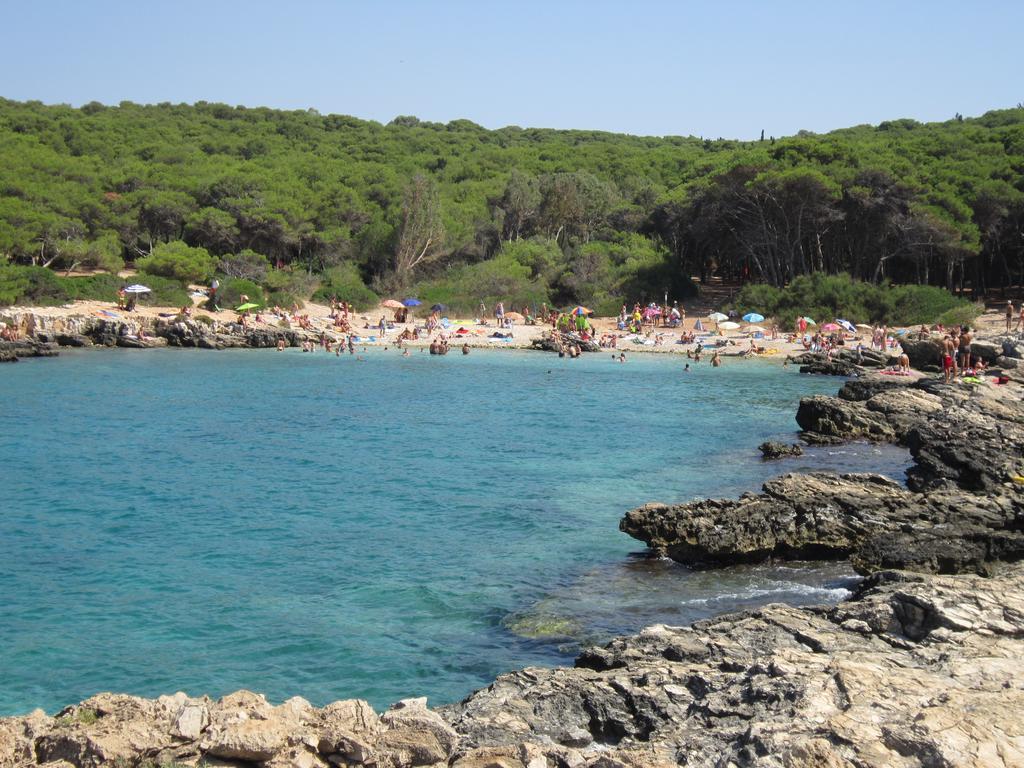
column 304, row 524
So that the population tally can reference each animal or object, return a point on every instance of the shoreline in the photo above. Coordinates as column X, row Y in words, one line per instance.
column 45, row 330
column 918, row 661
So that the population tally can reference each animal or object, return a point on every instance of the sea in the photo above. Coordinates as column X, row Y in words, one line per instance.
column 371, row 526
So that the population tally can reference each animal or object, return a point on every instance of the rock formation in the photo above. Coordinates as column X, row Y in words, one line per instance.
column 44, row 334
column 962, row 510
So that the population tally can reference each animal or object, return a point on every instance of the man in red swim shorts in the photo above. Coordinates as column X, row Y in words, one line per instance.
column 948, row 359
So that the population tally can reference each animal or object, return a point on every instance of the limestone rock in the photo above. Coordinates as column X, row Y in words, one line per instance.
column 414, row 736
column 930, row 670
column 349, row 728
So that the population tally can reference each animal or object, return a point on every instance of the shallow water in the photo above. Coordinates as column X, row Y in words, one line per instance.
column 303, row 524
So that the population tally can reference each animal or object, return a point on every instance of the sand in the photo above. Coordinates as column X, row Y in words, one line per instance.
column 365, row 324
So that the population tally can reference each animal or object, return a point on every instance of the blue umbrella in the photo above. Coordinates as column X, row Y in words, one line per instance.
column 846, row 324
column 412, row 302
column 753, row 317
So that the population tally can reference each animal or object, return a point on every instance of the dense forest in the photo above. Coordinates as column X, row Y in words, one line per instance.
column 302, row 204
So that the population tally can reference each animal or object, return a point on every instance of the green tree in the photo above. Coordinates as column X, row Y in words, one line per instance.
column 179, row 261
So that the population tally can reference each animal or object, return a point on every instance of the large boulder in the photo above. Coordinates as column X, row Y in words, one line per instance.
column 349, row 729
column 986, row 350
column 414, row 736
column 846, row 419
column 924, row 354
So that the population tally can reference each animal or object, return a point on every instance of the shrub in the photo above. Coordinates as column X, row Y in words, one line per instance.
column 825, row 297
column 500, row 279
column 39, row 286
column 28, row 285
column 232, row 289
column 179, row 262
column 286, row 287
column 965, row 315
column 345, row 283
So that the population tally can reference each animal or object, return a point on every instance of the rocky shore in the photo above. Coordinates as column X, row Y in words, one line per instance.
column 913, row 670
column 920, row 667
column 962, row 509
column 45, row 335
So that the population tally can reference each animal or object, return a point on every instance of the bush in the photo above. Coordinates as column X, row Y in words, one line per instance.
column 965, row 315
column 825, row 297
column 179, row 262
column 500, row 279
column 31, row 286
column 40, row 287
column 232, row 289
column 285, row 287
column 345, row 283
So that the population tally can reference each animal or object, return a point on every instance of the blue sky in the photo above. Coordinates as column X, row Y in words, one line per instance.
column 705, row 69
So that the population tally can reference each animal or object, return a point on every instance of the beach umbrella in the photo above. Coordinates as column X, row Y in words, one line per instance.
column 729, row 326
column 652, row 312
column 698, row 326
column 864, row 327
column 137, row 289
column 753, row 317
column 392, row 304
column 829, row 327
column 809, row 321
column 247, row 306
column 439, row 308
column 717, row 317
column 847, row 325
column 581, row 311
column 411, row 302
column 755, row 329
column 515, row 317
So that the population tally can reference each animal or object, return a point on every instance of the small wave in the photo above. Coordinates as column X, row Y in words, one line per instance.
column 776, row 588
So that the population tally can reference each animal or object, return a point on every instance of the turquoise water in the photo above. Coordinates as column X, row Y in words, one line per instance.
column 383, row 527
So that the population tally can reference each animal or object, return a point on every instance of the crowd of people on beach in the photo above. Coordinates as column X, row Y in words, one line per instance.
column 573, row 331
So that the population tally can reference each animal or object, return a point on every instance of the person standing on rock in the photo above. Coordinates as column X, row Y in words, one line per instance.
column 1009, row 314
column 948, row 358
column 965, row 349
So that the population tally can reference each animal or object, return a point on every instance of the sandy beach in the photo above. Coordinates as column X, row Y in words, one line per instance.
column 458, row 331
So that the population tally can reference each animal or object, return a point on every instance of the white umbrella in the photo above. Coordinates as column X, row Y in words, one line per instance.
column 730, row 326
column 846, row 324
column 137, row 289
column 717, row 317
column 755, row 328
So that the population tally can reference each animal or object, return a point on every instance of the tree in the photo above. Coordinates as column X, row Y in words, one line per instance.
column 420, row 232
column 519, row 204
column 179, row 262
column 213, row 229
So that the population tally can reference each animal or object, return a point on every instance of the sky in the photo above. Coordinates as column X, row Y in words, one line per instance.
column 710, row 68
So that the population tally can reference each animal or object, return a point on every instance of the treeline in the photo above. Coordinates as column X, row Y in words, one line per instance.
column 300, row 203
